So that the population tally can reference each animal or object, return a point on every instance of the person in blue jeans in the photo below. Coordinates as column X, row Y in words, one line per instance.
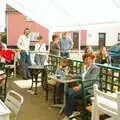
column 90, row 72
column 65, row 45
column 24, row 45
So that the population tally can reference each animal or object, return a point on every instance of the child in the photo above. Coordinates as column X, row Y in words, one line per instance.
column 62, row 71
column 40, row 50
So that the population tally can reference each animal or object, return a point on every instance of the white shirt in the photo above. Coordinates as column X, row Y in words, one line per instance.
column 85, row 72
column 24, row 43
column 4, row 46
column 40, row 48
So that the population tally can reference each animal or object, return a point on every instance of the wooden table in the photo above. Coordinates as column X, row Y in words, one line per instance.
column 4, row 111
column 35, row 70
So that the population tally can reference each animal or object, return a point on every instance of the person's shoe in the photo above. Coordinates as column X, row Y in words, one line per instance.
column 66, row 118
column 74, row 119
column 25, row 78
column 29, row 90
column 74, row 114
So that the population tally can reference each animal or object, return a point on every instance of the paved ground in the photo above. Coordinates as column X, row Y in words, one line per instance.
column 35, row 107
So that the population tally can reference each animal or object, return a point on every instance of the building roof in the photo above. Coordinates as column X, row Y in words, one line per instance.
column 9, row 9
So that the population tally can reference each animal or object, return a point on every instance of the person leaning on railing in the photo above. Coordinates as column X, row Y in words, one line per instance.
column 91, row 72
column 54, row 46
column 103, row 56
column 40, row 49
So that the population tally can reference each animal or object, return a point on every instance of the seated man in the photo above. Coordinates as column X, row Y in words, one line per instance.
column 90, row 72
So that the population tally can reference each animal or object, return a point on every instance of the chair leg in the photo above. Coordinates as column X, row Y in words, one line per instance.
column 46, row 96
column 0, row 90
column 54, row 93
column 96, row 115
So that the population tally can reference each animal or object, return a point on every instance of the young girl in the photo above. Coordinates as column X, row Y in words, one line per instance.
column 40, row 49
column 61, row 70
column 103, row 57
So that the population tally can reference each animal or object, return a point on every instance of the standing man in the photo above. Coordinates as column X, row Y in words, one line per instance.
column 65, row 45
column 24, row 46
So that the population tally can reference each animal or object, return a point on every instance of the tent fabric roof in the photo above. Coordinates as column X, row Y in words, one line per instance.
column 68, row 14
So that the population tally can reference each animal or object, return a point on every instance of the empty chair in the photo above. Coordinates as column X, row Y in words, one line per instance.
column 108, row 103
column 14, row 101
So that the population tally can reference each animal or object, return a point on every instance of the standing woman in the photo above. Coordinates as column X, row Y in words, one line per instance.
column 54, row 45
column 103, row 56
column 40, row 49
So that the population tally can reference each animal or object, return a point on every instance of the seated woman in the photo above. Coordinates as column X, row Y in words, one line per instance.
column 103, row 56
column 91, row 72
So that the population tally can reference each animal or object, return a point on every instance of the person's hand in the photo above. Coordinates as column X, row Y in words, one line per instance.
column 76, row 88
column 22, row 50
column 71, row 75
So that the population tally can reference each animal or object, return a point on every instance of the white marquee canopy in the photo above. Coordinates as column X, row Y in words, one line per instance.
column 61, row 15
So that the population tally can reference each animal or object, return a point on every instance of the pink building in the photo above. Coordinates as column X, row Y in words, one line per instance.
column 17, row 22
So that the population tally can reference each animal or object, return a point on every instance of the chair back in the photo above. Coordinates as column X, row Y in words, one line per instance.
column 88, row 90
column 108, row 103
column 3, row 81
column 14, row 101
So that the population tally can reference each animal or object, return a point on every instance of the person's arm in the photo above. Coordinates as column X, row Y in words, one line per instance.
column 51, row 47
column 36, row 48
column 4, row 46
column 59, row 43
column 20, row 43
column 44, row 47
column 70, row 44
column 77, row 76
column 109, row 60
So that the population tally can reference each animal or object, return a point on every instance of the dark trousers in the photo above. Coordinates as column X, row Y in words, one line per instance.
column 25, row 62
column 40, row 59
column 64, row 54
column 71, row 96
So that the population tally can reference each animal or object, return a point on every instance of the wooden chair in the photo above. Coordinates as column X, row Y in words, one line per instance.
column 47, row 83
column 86, row 101
column 3, row 81
column 108, row 103
column 14, row 102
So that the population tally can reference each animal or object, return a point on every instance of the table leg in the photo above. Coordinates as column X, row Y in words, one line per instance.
column 32, row 82
column 64, row 99
column 36, row 78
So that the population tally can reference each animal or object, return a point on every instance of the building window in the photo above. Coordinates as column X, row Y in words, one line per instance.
column 33, row 36
column 29, row 19
column 118, row 36
column 102, row 35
